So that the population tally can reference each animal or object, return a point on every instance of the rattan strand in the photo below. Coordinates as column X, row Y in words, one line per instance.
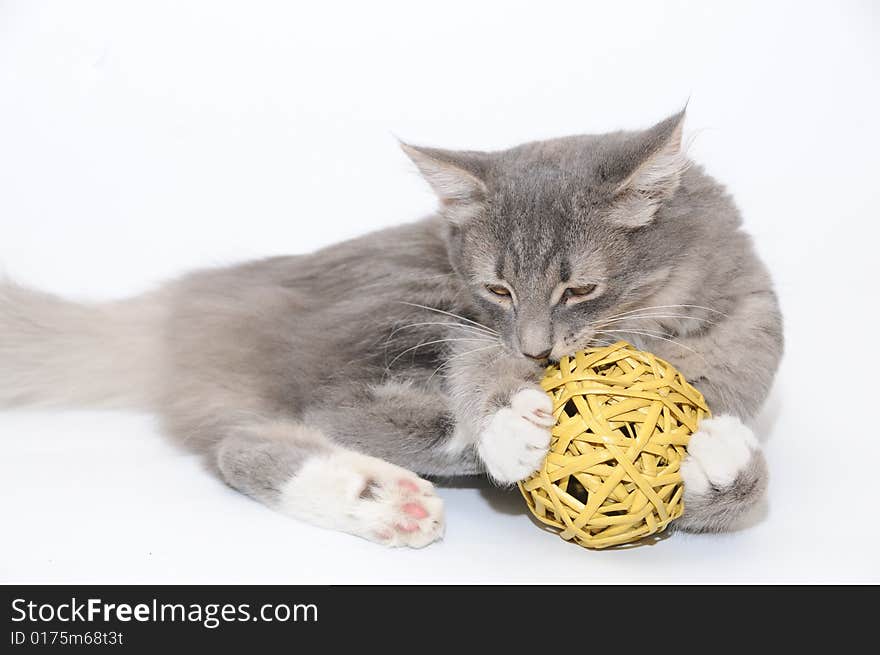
column 612, row 475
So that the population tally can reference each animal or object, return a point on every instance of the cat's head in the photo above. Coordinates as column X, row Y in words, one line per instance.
column 553, row 238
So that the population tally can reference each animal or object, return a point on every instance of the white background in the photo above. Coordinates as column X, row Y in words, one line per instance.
column 138, row 140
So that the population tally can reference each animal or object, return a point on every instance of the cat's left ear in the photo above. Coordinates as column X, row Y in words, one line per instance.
column 456, row 178
column 654, row 162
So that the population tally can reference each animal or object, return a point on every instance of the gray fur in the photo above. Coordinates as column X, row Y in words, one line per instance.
column 341, row 341
column 259, row 463
column 400, row 423
column 53, row 351
column 724, row 508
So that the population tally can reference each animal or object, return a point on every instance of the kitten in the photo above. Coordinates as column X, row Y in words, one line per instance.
column 325, row 385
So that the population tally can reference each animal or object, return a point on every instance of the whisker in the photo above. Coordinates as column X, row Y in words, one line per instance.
column 430, row 343
column 453, row 315
column 634, row 331
column 461, row 326
column 641, row 316
column 656, row 336
column 644, row 309
column 469, row 352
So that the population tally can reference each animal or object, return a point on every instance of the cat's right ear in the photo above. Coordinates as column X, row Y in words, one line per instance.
column 456, row 178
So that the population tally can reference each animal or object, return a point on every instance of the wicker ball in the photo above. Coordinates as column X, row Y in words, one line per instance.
column 623, row 419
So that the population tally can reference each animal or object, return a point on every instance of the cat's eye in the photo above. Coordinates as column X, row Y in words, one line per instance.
column 498, row 290
column 579, row 293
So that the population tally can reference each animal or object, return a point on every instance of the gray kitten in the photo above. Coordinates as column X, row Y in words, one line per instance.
column 325, row 384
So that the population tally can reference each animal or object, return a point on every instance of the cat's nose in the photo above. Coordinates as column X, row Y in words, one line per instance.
column 539, row 357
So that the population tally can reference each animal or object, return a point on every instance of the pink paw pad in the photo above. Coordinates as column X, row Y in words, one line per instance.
column 415, row 510
column 409, row 485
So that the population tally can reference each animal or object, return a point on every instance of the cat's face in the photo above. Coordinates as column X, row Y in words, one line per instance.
column 549, row 237
column 542, row 284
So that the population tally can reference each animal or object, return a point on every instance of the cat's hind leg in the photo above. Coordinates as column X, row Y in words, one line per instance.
column 294, row 469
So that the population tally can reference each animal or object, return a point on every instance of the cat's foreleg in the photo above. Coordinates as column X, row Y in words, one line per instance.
column 724, row 474
column 501, row 412
column 401, row 422
column 732, row 363
column 295, row 469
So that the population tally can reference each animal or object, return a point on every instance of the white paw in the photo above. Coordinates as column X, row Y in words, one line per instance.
column 515, row 442
column 717, row 452
column 367, row 497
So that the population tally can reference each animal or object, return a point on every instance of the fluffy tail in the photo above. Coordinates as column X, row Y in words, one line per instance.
column 56, row 352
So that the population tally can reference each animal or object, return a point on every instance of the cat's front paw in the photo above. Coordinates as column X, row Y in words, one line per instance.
column 515, row 442
column 724, row 475
column 717, row 453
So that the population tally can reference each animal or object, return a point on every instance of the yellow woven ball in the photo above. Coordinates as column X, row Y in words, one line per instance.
column 623, row 420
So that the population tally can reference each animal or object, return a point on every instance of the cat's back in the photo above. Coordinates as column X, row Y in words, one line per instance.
column 311, row 299
column 270, row 321
column 337, row 270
